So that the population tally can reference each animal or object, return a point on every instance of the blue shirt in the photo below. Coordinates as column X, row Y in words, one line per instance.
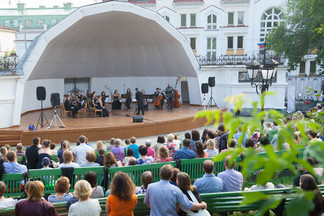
column 163, row 198
column 14, row 167
column 64, row 198
column 135, row 149
column 238, row 135
column 232, row 180
column 184, row 153
column 209, row 183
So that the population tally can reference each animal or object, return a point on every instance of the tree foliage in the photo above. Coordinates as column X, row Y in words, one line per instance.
column 301, row 32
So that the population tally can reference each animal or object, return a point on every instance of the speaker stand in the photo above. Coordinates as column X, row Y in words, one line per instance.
column 54, row 120
column 41, row 119
column 204, row 102
column 212, row 101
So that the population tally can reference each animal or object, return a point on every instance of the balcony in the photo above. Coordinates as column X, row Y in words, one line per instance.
column 188, row 1
column 8, row 64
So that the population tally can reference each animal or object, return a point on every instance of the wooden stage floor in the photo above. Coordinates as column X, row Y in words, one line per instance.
column 117, row 125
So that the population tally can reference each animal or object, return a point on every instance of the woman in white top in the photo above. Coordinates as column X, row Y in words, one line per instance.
column 211, row 150
column 5, row 203
column 68, row 157
column 85, row 205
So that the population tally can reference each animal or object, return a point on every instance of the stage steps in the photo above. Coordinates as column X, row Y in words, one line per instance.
column 10, row 136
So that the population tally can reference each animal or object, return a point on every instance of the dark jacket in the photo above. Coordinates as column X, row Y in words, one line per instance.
column 139, row 97
column 32, row 156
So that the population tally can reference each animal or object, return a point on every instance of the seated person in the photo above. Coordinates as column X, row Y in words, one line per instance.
column 232, row 179
column 99, row 106
column 12, row 166
column 173, row 179
column 150, row 150
column 61, row 188
column 210, row 148
column 68, row 106
column 184, row 152
column 101, row 157
column 67, row 158
column 209, row 183
column 91, row 158
column 200, row 153
column 118, row 151
column 266, row 186
column 311, row 161
column 147, row 178
column 163, row 155
column 97, row 191
column 144, row 159
column 5, row 203
column 129, row 156
column 21, row 153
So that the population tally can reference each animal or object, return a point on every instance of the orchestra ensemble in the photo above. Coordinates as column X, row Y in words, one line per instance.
column 95, row 102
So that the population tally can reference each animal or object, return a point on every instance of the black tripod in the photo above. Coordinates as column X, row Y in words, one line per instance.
column 211, row 101
column 41, row 119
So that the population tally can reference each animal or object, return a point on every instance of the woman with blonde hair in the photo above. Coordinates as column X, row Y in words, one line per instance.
column 34, row 204
column 4, row 151
column 211, row 150
column 100, row 145
column 122, row 199
column 85, row 205
column 67, row 158
column 163, row 155
column 64, row 146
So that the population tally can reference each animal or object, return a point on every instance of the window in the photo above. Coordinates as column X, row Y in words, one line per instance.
column 16, row 23
column 302, row 67
column 240, row 42
column 211, row 21
column 230, row 18
column 183, row 20
column 192, row 20
column 312, row 67
column 7, row 23
column 167, row 18
column 53, row 21
column 211, row 48
column 240, row 18
column 269, row 20
column 230, row 42
column 28, row 23
column 193, row 43
column 40, row 22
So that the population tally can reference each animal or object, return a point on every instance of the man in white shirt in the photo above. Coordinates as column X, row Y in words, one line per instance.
column 81, row 151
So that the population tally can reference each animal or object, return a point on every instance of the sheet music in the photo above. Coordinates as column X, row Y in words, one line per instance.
column 106, row 100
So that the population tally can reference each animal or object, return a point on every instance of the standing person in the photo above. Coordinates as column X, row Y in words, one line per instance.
column 32, row 154
column 80, row 151
column 140, row 103
column 34, row 204
column 128, row 98
column 169, row 195
column 122, row 199
column 168, row 92
column 116, row 105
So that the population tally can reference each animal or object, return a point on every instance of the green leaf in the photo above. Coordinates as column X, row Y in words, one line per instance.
column 299, row 207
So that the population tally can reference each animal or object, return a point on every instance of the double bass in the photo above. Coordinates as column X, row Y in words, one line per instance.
column 176, row 103
column 158, row 100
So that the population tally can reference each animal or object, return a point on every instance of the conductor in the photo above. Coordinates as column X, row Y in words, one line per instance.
column 139, row 98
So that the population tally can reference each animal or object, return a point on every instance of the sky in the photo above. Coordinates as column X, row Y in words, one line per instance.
column 46, row 3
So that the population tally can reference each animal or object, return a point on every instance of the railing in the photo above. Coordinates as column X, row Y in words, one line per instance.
column 234, row 59
column 142, row 1
column 187, row 1
column 8, row 64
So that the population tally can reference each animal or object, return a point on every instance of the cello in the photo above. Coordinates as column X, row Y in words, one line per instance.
column 176, row 103
column 158, row 100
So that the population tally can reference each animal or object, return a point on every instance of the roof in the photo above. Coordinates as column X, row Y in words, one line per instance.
column 8, row 29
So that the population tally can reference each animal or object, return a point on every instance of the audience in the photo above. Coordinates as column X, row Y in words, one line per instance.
column 4, row 152
column 296, row 182
column 209, row 183
column 46, row 163
column 173, row 179
column 34, row 204
column 185, row 152
column 100, row 145
column 52, row 147
column 169, row 195
column 67, row 158
column 163, row 155
column 5, row 202
column 232, row 179
column 134, row 147
column 195, row 137
column 62, row 186
column 266, row 186
column 90, row 158
column 20, row 151
column 110, row 160
column 111, row 144
column 127, row 143
column 118, row 151
column 159, row 142
column 97, row 191
column 122, row 199
column 64, row 146
column 144, row 159
column 32, row 154
column 80, row 151
column 221, row 138
column 171, row 145
column 239, row 134
column 85, row 205
column 129, row 156
column 12, row 166
column 7, row 146
column 44, row 151
column 211, row 150
column 150, row 151
column 230, row 145
column 200, row 153
column 101, row 157
column 147, row 178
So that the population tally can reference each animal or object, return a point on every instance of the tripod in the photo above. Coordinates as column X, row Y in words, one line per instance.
column 211, row 99
column 204, row 102
column 55, row 118
column 41, row 119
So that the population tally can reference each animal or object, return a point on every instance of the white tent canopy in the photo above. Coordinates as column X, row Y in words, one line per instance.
column 111, row 39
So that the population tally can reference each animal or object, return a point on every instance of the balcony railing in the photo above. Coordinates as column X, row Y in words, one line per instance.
column 142, row 1
column 8, row 64
column 187, row 1
column 234, row 59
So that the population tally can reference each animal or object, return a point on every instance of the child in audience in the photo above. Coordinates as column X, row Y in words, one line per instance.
column 147, row 178
column 211, row 150
column 150, row 151
column 163, row 155
column 101, row 157
column 132, row 162
column 20, row 151
column 100, row 145
column 127, row 143
column 5, row 203
column 130, row 155
column 144, row 159
column 61, row 188
column 45, row 163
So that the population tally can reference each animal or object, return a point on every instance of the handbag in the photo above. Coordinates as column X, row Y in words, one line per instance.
column 201, row 212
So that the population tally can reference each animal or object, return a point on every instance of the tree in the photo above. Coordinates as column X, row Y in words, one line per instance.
column 300, row 33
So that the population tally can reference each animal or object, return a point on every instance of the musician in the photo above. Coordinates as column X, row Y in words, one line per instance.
column 99, row 106
column 145, row 103
column 103, row 97
column 89, row 95
column 168, row 92
column 139, row 98
column 80, row 100
column 69, row 107
column 116, row 105
column 128, row 98
column 159, row 95
column 91, row 99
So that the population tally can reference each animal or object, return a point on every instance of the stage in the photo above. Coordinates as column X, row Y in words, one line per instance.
column 118, row 125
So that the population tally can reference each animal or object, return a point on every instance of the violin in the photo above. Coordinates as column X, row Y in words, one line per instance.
column 176, row 103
